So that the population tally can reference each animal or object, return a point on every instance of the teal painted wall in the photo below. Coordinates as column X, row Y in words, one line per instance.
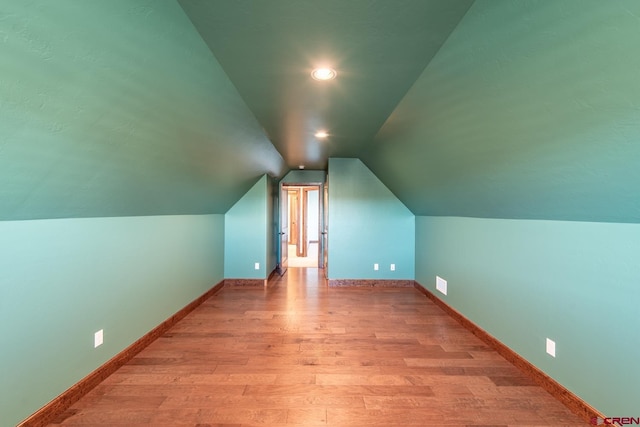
column 576, row 283
column 118, row 108
column 529, row 110
column 367, row 225
column 63, row 280
column 247, row 231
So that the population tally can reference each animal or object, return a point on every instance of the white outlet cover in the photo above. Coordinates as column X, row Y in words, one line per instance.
column 393, row 267
column 98, row 338
column 256, row 266
column 551, row 347
column 376, row 267
column 441, row 285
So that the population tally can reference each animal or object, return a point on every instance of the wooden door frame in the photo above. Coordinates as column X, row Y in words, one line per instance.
column 293, row 204
column 283, row 230
column 298, row 235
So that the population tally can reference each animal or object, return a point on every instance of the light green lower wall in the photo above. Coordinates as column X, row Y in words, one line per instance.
column 62, row 280
column 247, row 234
column 577, row 283
column 367, row 225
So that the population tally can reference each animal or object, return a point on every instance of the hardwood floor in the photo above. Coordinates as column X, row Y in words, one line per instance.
column 302, row 354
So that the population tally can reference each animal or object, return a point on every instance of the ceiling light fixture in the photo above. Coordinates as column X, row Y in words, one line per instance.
column 321, row 134
column 324, row 74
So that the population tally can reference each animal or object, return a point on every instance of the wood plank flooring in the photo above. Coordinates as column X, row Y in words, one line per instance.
column 302, row 354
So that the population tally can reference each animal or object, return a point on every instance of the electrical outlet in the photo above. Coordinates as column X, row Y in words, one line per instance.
column 441, row 285
column 393, row 267
column 376, row 267
column 98, row 338
column 256, row 266
column 551, row 348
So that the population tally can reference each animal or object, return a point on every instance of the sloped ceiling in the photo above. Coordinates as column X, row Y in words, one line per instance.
column 117, row 108
column 529, row 110
column 496, row 108
column 269, row 48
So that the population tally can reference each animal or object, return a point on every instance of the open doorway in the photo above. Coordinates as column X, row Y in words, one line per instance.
column 304, row 221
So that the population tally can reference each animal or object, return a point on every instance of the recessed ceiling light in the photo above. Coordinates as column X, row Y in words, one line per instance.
column 324, row 74
column 321, row 134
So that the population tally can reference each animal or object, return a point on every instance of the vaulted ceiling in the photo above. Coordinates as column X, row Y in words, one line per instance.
column 377, row 47
column 490, row 108
column 508, row 109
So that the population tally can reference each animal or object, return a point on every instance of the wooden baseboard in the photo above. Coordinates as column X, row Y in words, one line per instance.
column 369, row 283
column 557, row 390
column 57, row 406
column 245, row 283
column 273, row 273
column 253, row 283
